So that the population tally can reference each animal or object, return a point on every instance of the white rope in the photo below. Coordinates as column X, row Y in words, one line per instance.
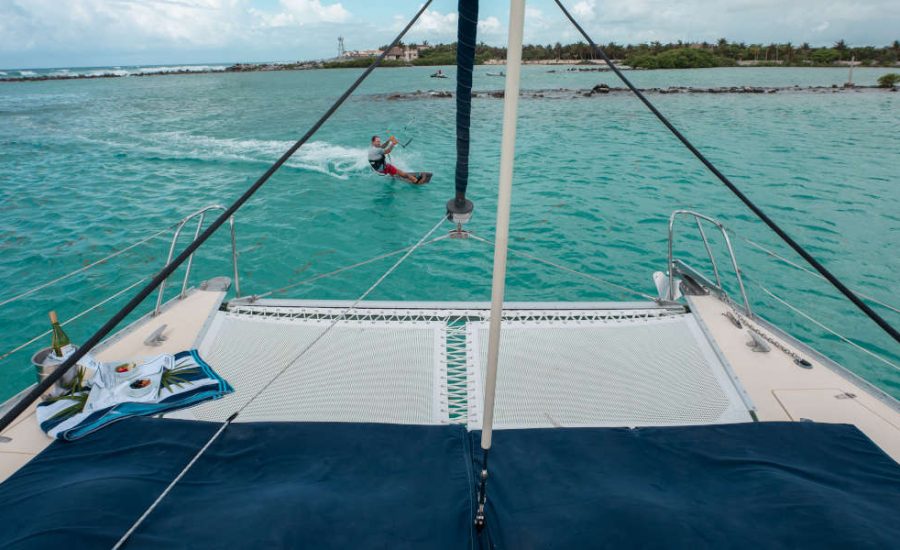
column 67, row 321
column 823, row 327
column 339, row 270
column 568, row 269
column 811, row 272
column 85, row 268
column 290, row 363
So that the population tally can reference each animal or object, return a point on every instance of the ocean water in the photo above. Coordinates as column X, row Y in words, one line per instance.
column 88, row 167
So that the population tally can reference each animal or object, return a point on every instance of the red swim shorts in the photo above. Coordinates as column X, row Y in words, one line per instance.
column 390, row 169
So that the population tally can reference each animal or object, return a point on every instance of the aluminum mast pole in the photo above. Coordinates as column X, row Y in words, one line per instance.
column 507, row 157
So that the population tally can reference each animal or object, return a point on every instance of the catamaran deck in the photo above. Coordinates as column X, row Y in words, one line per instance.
column 561, row 365
column 569, row 365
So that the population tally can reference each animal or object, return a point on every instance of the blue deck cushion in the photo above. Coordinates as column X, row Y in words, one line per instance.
column 261, row 485
column 760, row 485
column 336, row 485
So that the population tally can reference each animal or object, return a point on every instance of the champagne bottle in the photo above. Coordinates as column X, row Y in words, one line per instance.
column 60, row 339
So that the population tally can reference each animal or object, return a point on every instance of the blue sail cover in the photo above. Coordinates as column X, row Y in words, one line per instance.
column 467, row 29
column 340, row 485
column 754, row 485
column 260, row 485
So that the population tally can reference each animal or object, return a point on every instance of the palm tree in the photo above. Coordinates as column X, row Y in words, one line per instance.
column 754, row 49
column 721, row 44
column 789, row 51
column 841, row 47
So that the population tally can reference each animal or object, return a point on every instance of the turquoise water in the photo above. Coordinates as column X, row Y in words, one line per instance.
column 89, row 166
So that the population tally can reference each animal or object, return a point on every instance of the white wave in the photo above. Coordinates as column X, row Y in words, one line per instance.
column 2, row 73
column 180, row 68
column 120, row 71
column 336, row 161
column 106, row 72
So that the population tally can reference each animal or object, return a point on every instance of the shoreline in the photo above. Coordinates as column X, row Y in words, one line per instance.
column 319, row 65
column 603, row 89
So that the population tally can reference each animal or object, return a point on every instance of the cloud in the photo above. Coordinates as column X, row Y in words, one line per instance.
column 299, row 13
column 584, row 10
column 490, row 26
column 110, row 32
column 872, row 22
column 80, row 32
column 435, row 26
column 436, row 22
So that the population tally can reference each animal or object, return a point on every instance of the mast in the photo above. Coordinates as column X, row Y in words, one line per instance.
column 459, row 208
column 501, row 239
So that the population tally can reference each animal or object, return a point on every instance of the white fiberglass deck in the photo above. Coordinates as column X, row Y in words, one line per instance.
column 423, row 365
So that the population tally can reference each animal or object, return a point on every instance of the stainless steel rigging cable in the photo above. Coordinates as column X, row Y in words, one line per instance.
column 39, row 389
column 259, row 392
column 746, row 200
column 566, row 269
column 73, row 318
column 814, row 274
column 85, row 268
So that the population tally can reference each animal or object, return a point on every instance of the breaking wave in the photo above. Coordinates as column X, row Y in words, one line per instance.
column 114, row 71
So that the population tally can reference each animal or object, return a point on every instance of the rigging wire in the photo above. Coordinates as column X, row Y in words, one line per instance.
column 76, row 317
column 164, row 273
column 336, row 271
column 567, row 269
column 746, row 200
column 259, row 392
column 825, row 328
column 811, row 272
column 85, row 268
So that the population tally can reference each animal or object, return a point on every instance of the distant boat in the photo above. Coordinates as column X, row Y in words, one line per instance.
column 501, row 73
column 439, row 74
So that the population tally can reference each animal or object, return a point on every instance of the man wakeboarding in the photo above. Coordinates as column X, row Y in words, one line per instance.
column 377, row 160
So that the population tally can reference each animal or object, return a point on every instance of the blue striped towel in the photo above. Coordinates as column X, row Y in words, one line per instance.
column 110, row 397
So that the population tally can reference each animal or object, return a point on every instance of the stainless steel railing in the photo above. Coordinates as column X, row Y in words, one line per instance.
column 698, row 218
column 201, row 214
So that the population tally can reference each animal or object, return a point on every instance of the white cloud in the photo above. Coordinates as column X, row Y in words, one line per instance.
column 305, row 12
column 299, row 13
column 490, row 26
column 584, row 10
column 432, row 25
column 435, row 26
column 129, row 29
column 79, row 32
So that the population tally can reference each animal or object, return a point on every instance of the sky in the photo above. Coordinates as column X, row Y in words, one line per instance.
column 85, row 33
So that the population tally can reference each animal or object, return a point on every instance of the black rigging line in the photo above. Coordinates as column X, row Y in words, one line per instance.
column 38, row 390
column 756, row 210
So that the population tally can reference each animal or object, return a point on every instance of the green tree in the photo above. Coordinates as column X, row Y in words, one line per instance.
column 840, row 46
column 680, row 58
column 722, row 46
column 825, row 56
column 888, row 80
